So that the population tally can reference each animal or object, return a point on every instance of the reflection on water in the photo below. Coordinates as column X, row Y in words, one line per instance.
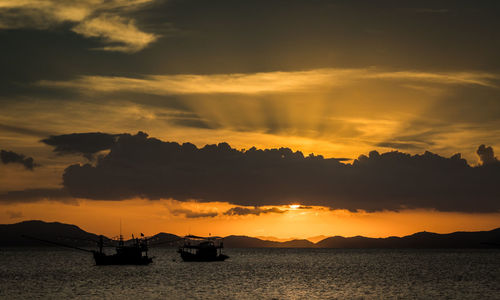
column 256, row 273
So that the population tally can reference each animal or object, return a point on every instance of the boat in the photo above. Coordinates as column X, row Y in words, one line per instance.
column 201, row 249
column 135, row 253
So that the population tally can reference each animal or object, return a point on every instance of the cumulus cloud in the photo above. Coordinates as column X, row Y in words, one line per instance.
column 86, row 144
column 243, row 211
column 262, row 82
column 486, row 155
column 9, row 157
column 139, row 166
column 91, row 18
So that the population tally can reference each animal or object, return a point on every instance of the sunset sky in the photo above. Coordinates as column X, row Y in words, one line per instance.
column 107, row 108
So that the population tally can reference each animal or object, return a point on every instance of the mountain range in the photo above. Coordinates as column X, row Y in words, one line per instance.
column 12, row 235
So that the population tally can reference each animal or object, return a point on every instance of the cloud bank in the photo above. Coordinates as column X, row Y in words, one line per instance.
column 263, row 82
column 139, row 166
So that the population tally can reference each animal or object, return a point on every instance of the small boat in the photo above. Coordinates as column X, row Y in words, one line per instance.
column 196, row 248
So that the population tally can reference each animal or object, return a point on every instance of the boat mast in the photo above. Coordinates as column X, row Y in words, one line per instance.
column 120, row 239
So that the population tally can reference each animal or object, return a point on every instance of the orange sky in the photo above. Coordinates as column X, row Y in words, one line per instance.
column 151, row 217
column 323, row 77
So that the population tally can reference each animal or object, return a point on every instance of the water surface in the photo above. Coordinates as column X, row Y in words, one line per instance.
column 256, row 274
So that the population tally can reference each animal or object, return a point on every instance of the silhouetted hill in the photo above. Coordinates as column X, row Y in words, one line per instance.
column 240, row 241
column 163, row 239
column 11, row 234
column 315, row 239
column 273, row 238
column 478, row 239
column 297, row 244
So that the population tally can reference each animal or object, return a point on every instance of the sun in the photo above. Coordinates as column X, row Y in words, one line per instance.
column 294, row 206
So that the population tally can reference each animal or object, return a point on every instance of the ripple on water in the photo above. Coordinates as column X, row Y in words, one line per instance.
column 256, row 273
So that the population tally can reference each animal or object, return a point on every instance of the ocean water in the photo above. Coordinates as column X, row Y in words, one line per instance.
column 52, row 273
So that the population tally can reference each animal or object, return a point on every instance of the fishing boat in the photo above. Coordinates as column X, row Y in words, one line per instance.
column 196, row 248
column 133, row 252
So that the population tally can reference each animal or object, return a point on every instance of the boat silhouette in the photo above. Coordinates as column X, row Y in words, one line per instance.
column 196, row 248
column 135, row 253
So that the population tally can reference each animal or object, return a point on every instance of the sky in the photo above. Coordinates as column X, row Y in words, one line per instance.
column 280, row 118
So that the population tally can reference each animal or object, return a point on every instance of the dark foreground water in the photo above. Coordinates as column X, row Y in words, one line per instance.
column 27, row 273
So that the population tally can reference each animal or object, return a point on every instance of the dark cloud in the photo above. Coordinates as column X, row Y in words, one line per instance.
column 9, row 157
column 486, row 155
column 243, row 211
column 34, row 195
column 138, row 166
column 86, row 144
column 193, row 214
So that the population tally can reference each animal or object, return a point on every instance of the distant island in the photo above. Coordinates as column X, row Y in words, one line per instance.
column 12, row 235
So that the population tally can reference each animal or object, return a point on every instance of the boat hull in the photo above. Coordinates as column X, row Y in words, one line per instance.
column 103, row 260
column 187, row 256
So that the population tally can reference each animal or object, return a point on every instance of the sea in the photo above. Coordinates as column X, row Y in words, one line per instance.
column 57, row 273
